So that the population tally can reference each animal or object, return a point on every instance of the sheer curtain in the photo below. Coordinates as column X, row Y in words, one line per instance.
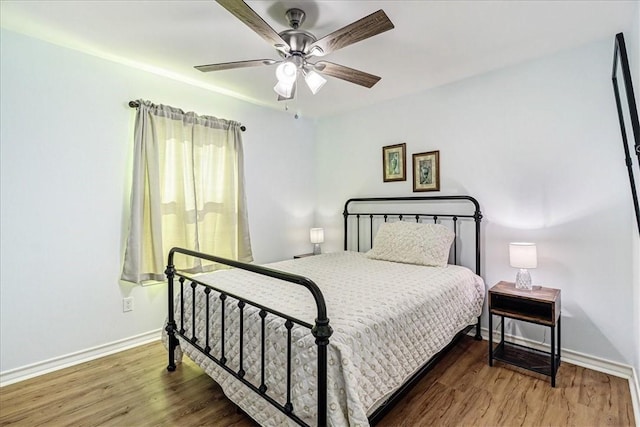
column 187, row 191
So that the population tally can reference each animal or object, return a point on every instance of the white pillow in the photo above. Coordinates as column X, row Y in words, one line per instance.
column 412, row 243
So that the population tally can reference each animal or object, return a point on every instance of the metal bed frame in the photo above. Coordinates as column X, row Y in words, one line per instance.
column 321, row 330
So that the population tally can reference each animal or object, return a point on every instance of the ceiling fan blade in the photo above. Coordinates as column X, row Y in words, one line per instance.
column 249, row 17
column 369, row 26
column 237, row 64
column 345, row 73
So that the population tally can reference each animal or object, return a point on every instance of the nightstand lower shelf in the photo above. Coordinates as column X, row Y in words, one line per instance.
column 525, row 357
column 539, row 306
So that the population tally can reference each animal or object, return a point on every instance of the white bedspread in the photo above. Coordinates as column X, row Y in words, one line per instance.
column 388, row 319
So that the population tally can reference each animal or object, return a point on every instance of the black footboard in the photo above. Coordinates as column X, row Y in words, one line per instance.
column 320, row 330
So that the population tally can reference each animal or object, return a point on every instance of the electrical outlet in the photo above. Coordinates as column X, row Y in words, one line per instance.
column 127, row 304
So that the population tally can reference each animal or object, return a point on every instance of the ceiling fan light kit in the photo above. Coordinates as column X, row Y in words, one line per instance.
column 297, row 46
column 287, row 73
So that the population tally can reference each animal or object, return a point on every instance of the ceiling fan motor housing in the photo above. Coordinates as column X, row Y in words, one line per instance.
column 295, row 17
column 298, row 40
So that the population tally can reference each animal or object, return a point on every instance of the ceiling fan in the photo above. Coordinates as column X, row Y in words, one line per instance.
column 298, row 48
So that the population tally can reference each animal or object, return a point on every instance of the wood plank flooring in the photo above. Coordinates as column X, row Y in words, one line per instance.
column 133, row 388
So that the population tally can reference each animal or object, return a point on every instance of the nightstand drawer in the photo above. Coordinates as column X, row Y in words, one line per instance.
column 517, row 308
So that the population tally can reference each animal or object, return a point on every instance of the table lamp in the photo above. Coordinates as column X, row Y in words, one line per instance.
column 316, row 236
column 523, row 256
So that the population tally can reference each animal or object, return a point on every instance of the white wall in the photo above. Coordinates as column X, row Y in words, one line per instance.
column 66, row 153
column 538, row 144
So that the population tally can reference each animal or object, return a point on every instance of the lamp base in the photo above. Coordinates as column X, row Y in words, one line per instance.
column 316, row 249
column 523, row 279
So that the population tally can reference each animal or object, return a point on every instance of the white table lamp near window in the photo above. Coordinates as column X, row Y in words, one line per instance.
column 317, row 236
column 523, row 256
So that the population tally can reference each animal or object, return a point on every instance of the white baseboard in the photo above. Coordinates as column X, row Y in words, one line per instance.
column 40, row 368
column 586, row 361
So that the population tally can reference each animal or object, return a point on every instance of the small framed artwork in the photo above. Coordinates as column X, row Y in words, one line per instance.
column 426, row 171
column 394, row 162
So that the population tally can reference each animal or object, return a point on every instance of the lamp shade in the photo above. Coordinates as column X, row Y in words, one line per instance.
column 523, row 255
column 284, row 89
column 316, row 235
column 286, row 72
column 314, row 81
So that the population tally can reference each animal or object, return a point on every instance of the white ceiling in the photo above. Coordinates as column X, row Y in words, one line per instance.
column 433, row 43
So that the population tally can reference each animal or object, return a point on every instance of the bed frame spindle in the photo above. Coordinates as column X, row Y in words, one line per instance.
column 263, row 386
column 223, row 359
column 455, row 240
column 288, row 407
column 371, row 230
column 207, row 348
column 193, row 313
column 182, row 305
column 358, row 217
column 241, row 371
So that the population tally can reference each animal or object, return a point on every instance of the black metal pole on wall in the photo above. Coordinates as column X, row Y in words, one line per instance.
column 630, row 142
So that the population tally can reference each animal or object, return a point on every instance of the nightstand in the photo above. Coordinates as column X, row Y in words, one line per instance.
column 302, row 255
column 540, row 306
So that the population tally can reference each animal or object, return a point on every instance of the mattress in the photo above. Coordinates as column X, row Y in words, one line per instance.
column 388, row 319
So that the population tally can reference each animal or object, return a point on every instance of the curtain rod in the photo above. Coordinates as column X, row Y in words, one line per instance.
column 136, row 104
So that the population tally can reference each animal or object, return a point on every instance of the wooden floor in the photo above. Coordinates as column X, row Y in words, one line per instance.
column 133, row 388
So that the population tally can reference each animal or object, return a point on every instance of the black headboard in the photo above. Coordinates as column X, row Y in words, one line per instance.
column 362, row 214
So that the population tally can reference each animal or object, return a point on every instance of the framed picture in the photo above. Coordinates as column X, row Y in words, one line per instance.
column 426, row 171
column 394, row 162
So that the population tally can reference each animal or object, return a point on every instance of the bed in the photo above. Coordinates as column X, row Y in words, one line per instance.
column 337, row 338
